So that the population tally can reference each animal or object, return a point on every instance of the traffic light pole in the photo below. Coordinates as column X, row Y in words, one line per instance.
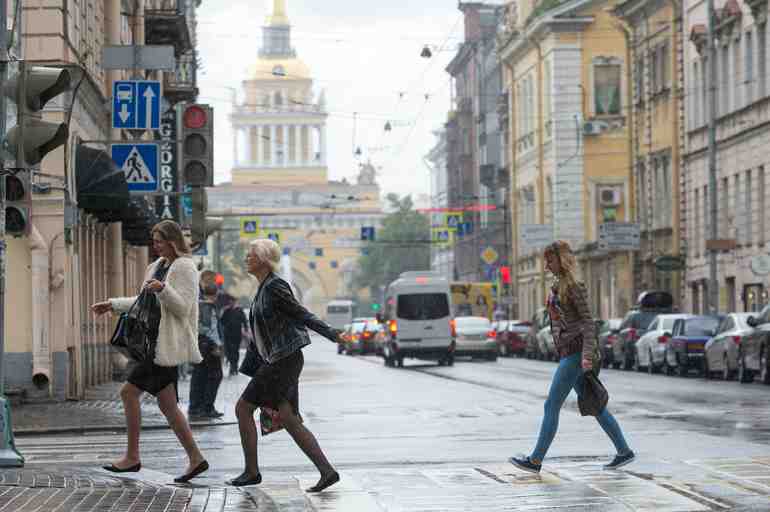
column 9, row 456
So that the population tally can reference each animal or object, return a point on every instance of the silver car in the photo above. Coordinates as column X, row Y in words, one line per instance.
column 473, row 337
column 722, row 350
column 651, row 347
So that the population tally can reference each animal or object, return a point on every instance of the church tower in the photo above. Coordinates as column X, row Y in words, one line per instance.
column 280, row 128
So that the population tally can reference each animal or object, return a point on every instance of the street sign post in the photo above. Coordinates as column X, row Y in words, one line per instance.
column 140, row 163
column 619, row 236
column 136, row 104
column 536, row 236
column 249, row 227
column 367, row 233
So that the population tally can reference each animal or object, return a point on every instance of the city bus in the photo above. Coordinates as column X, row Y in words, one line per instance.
column 339, row 313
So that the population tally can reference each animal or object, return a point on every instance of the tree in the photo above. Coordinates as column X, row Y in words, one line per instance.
column 402, row 244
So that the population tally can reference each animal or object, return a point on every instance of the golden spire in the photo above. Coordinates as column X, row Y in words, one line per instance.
column 279, row 17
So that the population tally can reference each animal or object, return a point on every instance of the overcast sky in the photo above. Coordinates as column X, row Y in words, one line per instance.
column 364, row 56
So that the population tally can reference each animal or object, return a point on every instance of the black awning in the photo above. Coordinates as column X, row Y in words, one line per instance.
column 138, row 219
column 102, row 187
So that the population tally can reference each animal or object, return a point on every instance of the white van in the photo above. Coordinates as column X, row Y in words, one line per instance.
column 419, row 324
column 339, row 313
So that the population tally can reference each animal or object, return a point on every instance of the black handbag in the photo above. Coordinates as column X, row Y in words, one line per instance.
column 594, row 397
column 130, row 335
column 251, row 362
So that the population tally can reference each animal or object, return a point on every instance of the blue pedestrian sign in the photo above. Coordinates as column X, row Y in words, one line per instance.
column 136, row 104
column 140, row 164
column 367, row 233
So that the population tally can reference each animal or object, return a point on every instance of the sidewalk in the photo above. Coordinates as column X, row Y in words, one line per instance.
column 102, row 410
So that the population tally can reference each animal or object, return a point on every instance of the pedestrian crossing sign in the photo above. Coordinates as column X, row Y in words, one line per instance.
column 140, row 164
column 249, row 227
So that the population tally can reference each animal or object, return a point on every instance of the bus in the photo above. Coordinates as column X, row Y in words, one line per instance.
column 339, row 313
column 473, row 299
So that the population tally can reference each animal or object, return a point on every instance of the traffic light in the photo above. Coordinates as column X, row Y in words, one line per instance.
column 375, row 307
column 198, row 146
column 505, row 274
column 34, row 86
column 202, row 226
column 18, row 201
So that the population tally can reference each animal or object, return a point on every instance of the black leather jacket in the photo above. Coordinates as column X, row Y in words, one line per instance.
column 283, row 322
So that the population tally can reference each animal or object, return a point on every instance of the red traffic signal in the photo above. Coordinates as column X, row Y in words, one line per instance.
column 505, row 274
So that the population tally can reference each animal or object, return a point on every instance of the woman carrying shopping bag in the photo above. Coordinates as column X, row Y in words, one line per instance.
column 172, row 284
column 574, row 334
column 279, row 325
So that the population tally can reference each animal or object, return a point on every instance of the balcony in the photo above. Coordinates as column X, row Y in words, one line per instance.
column 181, row 85
column 167, row 24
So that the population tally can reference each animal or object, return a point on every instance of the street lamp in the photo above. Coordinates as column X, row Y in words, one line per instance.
column 426, row 53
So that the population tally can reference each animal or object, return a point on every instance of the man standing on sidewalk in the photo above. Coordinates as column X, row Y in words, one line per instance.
column 207, row 375
column 233, row 324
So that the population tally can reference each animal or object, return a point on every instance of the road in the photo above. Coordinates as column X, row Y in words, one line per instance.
column 437, row 438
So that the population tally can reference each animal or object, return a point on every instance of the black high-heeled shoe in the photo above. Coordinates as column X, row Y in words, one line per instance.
column 200, row 468
column 325, row 481
column 245, row 479
column 130, row 469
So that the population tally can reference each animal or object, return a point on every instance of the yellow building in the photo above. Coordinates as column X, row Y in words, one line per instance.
column 280, row 178
column 657, row 112
column 566, row 69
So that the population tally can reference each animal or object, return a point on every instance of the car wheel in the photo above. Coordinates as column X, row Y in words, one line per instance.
column 706, row 368
column 764, row 371
column 651, row 368
column 745, row 375
column 726, row 373
column 492, row 356
column 637, row 365
column 681, row 369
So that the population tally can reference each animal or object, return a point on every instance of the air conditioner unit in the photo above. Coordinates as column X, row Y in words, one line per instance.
column 592, row 128
column 609, row 196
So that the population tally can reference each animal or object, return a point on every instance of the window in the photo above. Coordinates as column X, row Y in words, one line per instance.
column 762, row 59
column 639, row 80
column 643, row 205
column 706, row 218
column 724, row 89
column 547, row 97
column 730, row 282
column 666, row 199
column 654, row 72
column 748, row 212
column 748, row 66
column 724, row 209
column 695, row 113
column 737, row 212
column 696, row 234
column 704, row 89
column 761, row 205
column 665, row 75
column 423, row 306
column 607, row 89
column 737, row 74
column 700, row 326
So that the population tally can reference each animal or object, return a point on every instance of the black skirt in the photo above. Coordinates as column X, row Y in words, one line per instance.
column 153, row 379
column 276, row 383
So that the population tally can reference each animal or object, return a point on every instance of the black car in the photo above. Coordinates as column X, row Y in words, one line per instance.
column 685, row 351
column 649, row 305
column 608, row 331
column 754, row 351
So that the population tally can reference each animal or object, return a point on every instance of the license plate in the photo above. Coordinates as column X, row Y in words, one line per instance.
column 694, row 346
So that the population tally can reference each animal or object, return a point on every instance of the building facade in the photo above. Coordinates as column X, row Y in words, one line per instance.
column 743, row 139
column 442, row 256
column 55, row 347
column 657, row 108
column 566, row 81
column 280, row 177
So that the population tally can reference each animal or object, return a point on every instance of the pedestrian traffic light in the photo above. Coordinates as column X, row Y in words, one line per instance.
column 375, row 307
column 505, row 274
column 18, row 201
column 34, row 86
column 198, row 146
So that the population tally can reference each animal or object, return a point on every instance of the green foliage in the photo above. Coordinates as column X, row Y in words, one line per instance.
column 402, row 244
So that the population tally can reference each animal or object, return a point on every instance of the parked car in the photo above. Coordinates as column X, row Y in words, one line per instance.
column 472, row 337
column 755, row 348
column 539, row 321
column 651, row 347
column 510, row 336
column 546, row 345
column 607, row 333
column 721, row 351
column 688, row 339
column 649, row 305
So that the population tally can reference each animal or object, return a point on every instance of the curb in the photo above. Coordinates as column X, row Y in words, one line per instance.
column 32, row 431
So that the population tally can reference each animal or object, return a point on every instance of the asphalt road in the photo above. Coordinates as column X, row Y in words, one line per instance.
column 426, row 437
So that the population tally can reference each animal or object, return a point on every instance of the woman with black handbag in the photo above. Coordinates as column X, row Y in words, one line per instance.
column 574, row 334
column 171, row 284
column 279, row 326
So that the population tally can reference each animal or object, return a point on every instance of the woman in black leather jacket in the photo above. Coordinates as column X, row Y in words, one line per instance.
column 279, row 325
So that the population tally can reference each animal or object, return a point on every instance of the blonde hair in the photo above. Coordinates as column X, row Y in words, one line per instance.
column 171, row 232
column 267, row 251
column 568, row 271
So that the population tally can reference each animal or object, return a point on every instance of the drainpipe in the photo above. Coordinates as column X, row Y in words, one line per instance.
column 41, row 340
column 630, row 54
